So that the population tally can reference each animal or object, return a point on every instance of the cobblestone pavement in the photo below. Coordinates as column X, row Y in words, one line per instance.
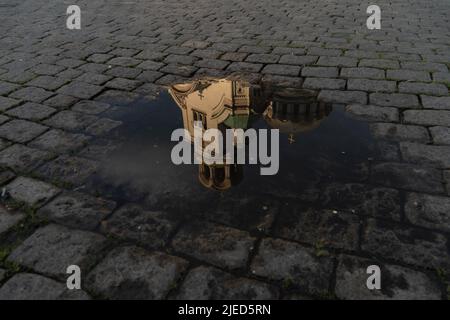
column 53, row 84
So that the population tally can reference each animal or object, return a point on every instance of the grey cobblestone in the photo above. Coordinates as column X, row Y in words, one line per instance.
column 287, row 261
column 204, row 283
column 431, row 102
column 152, row 274
column 27, row 286
column 379, row 63
column 218, row 245
column 369, row 73
column 346, row 97
column 8, row 220
column 399, row 100
column 399, row 132
column 371, row 85
column 400, row 283
column 51, row 249
column 321, row 72
column 21, row 130
column 324, row 83
column 438, row 156
column 373, row 113
column 441, row 135
column 408, row 75
column 426, row 117
column 405, row 244
column 428, row 211
column 436, row 89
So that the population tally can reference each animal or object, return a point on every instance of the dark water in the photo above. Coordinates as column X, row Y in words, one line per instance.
column 326, row 147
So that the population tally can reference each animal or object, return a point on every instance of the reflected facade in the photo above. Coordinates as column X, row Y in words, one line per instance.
column 234, row 104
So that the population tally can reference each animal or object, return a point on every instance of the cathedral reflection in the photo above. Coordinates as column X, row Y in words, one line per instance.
column 233, row 104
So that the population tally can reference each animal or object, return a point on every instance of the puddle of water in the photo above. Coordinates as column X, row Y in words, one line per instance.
column 319, row 144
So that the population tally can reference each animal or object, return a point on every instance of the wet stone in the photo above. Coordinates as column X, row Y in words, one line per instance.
column 32, row 94
column 206, row 283
column 431, row 102
column 27, row 286
column 77, row 210
column 48, row 82
column 90, row 107
column 7, row 103
column 407, row 176
column 399, row 100
column 8, row 219
column 59, row 141
column 322, row 228
column 4, row 143
column 133, row 273
column 428, row 211
column 408, row 245
column 441, row 135
column 397, row 283
column 31, row 111
column 70, row 120
column 60, row 101
column 51, row 249
column 102, row 126
column 282, row 69
column 94, row 78
column 120, row 98
column 21, row 130
column 436, row 156
column 250, row 213
column 99, row 149
column 6, row 176
column 149, row 228
column 23, row 159
column 6, row 87
column 324, row 83
column 338, row 96
column 321, row 72
column 427, row 117
column 293, row 265
column 283, row 81
column 122, row 84
column 80, row 90
column 398, row 132
column 215, row 244
column 68, row 170
column 373, row 113
column 244, row 67
column 362, row 199
column 30, row 191
column 3, row 119
column 436, row 89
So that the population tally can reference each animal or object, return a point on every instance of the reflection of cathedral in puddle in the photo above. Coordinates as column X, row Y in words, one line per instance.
column 228, row 104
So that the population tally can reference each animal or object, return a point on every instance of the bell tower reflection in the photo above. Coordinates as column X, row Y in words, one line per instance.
column 293, row 111
column 219, row 104
column 233, row 104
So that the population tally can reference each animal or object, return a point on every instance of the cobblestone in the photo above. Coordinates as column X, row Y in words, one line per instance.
column 21, row 130
column 133, row 273
column 373, row 113
column 399, row 283
column 204, row 283
column 218, row 245
column 426, row 117
column 297, row 266
column 27, row 286
column 51, row 249
column 407, row 245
